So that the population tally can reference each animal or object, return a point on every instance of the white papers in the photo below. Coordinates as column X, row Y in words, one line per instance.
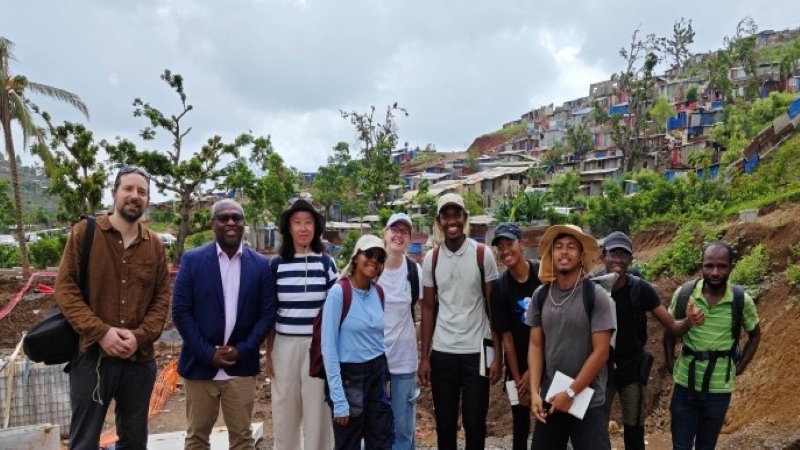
column 513, row 395
column 581, row 402
column 487, row 356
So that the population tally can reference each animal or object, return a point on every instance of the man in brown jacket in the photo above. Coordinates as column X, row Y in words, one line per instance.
column 129, row 295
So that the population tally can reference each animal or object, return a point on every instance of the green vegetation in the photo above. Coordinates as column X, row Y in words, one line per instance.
column 47, row 252
column 751, row 268
column 793, row 275
column 9, row 256
column 679, row 258
column 512, row 131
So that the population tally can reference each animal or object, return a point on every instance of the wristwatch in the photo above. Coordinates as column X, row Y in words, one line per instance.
column 571, row 393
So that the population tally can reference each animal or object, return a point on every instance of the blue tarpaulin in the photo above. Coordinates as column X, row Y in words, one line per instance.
column 717, row 105
column 675, row 122
column 618, row 109
column 794, row 109
column 581, row 112
column 708, row 119
column 750, row 164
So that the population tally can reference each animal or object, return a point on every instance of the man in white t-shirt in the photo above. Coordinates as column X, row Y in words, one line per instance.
column 454, row 324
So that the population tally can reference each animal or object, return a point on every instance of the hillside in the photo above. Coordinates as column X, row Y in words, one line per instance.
column 32, row 188
column 764, row 410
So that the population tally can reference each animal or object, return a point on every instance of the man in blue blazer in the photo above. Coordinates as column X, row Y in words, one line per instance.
column 223, row 306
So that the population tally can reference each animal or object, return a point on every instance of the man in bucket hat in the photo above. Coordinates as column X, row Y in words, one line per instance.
column 303, row 273
column 572, row 323
column 462, row 285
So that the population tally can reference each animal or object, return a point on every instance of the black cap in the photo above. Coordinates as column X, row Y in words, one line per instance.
column 618, row 239
column 507, row 230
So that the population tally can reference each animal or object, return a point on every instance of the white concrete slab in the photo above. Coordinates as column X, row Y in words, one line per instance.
column 218, row 438
column 33, row 437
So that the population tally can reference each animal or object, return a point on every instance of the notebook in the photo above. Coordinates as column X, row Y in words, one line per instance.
column 581, row 402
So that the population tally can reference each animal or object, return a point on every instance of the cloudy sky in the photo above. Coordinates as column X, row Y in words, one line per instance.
column 286, row 67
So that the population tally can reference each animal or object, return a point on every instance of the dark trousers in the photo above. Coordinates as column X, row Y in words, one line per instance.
column 591, row 433
column 631, row 398
column 697, row 421
column 128, row 383
column 521, row 416
column 454, row 378
column 370, row 411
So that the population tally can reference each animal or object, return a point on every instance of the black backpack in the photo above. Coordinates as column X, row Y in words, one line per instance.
column 413, row 279
column 588, row 297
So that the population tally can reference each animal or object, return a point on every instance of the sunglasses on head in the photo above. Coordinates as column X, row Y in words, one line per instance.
column 134, row 169
column 372, row 254
column 225, row 218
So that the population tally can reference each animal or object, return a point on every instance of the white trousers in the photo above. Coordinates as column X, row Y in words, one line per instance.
column 301, row 419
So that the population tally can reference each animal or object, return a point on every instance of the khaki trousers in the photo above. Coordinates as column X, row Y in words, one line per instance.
column 301, row 419
column 203, row 401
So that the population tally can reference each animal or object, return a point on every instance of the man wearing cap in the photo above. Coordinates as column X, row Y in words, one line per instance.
column 511, row 297
column 572, row 323
column 452, row 337
column 303, row 273
column 630, row 362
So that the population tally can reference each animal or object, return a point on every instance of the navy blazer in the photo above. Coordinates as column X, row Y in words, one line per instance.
column 198, row 312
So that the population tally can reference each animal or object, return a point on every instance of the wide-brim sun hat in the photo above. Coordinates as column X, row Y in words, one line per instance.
column 365, row 242
column 588, row 243
column 301, row 205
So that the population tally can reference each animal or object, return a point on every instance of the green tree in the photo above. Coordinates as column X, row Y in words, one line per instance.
column 173, row 170
column 565, row 189
column 15, row 105
column 6, row 204
column 579, row 139
column 331, row 179
column 472, row 160
column 609, row 212
column 675, row 49
column 661, row 111
column 377, row 140
column 637, row 82
column 474, row 203
column 77, row 177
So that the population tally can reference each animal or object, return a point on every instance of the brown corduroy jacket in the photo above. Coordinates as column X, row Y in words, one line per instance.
column 128, row 287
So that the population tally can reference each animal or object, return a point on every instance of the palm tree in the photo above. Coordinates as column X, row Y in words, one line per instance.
column 15, row 106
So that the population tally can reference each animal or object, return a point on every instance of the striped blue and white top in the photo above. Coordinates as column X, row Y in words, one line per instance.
column 301, row 285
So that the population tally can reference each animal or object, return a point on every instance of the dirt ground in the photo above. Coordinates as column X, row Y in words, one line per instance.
column 764, row 411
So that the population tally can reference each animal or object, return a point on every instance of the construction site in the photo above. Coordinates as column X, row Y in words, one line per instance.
column 34, row 398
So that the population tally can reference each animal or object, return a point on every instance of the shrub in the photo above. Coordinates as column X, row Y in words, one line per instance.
column 46, row 252
column 793, row 275
column 348, row 244
column 680, row 258
column 751, row 268
column 9, row 256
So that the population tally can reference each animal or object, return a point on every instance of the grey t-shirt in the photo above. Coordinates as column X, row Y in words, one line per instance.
column 568, row 334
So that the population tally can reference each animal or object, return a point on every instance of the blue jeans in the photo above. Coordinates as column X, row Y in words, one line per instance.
column 404, row 393
column 696, row 421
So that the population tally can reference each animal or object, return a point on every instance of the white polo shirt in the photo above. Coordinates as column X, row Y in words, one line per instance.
column 462, row 322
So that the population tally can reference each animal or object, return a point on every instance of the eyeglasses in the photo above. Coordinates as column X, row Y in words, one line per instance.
column 225, row 218
column 134, row 169
column 618, row 255
column 372, row 254
column 400, row 231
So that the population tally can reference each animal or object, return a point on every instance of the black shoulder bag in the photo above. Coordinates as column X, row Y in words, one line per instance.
column 53, row 341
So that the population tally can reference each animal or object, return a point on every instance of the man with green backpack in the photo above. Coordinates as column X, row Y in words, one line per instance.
column 710, row 359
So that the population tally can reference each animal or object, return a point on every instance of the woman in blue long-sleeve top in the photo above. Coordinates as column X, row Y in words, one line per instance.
column 353, row 352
